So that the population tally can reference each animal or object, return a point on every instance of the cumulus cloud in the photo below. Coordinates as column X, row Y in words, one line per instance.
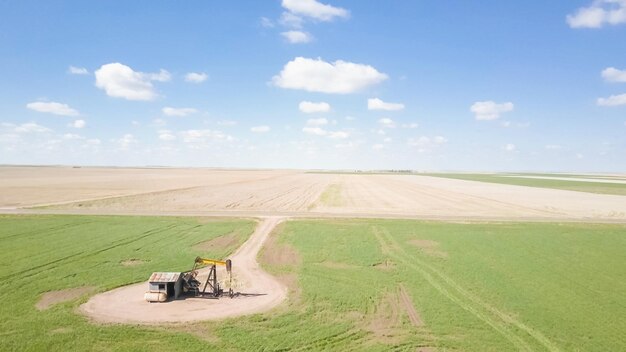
column 297, row 37
column 308, row 107
column 611, row 74
column 490, row 110
column 126, row 141
column 378, row 147
column 553, row 147
column 77, row 70
column 338, row 135
column 288, row 19
column 377, row 104
column 28, row 127
column 72, row 136
column 266, row 22
column 425, row 144
column 598, row 14
column 169, row 111
column 52, row 108
column 411, row 125
column 199, row 137
column 315, row 10
column 196, row 77
column 121, row 81
column 387, row 122
column 613, row 100
column 317, row 122
column 510, row 147
column 166, row 135
column 260, row 129
column 78, row 124
column 318, row 131
column 339, row 77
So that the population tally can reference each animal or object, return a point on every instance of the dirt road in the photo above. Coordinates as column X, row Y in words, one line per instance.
column 126, row 304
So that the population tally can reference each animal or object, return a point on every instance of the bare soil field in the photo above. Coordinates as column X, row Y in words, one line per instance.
column 30, row 186
column 292, row 193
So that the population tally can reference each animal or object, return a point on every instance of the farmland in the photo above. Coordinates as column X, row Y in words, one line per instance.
column 581, row 183
column 249, row 193
column 56, row 253
column 354, row 284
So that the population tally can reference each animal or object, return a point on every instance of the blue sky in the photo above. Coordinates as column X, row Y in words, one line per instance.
column 425, row 85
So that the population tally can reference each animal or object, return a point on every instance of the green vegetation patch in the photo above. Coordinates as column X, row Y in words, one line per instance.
column 474, row 287
column 332, row 196
column 362, row 285
column 580, row 186
column 43, row 255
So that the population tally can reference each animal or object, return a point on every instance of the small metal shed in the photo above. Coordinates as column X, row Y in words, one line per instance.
column 166, row 282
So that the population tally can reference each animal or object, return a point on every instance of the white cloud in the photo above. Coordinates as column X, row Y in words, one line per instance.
column 288, row 19
column 490, row 110
column 126, row 141
column 318, row 131
column 52, row 108
column 166, row 135
column 315, row 131
column 200, row 137
column 78, row 124
column 378, row 147
column 350, row 118
column 315, row 9
column 196, row 77
column 121, row 81
column 317, row 122
column 29, row 127
column 72, row 136
column 339, row 77
column 159, row 122
column 266, row 22
column 613, row 100
column 338, row 135
column 308, row 107
column 77, row 70
column 260, row 129
column 611, row 74
column 387, row 122
column 425, row 144
column 377, row 104
column 169, row 111
column 297, row 37
column 510, row 147
column 599, row 13
column 411, row 125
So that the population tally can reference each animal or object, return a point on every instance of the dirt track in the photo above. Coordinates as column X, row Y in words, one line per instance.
column 126, row 304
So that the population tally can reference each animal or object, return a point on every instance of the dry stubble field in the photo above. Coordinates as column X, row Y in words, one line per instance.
column 296, row 193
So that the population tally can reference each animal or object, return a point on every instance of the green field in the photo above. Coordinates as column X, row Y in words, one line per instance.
column 506, row 179
column 474, row 287
column 48, row 253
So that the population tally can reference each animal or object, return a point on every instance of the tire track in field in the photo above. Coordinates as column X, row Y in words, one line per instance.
column 499, row 321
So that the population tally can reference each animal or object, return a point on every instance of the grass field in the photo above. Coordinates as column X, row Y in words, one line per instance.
column 580, row 186
column 49, row 253
column 355, row 285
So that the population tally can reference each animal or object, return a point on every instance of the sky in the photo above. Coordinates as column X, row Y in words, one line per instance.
column 424, row 85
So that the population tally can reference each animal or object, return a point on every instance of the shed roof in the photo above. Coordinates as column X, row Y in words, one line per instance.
column 164, row 277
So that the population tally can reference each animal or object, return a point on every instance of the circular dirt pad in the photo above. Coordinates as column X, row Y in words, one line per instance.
column 127, row 305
